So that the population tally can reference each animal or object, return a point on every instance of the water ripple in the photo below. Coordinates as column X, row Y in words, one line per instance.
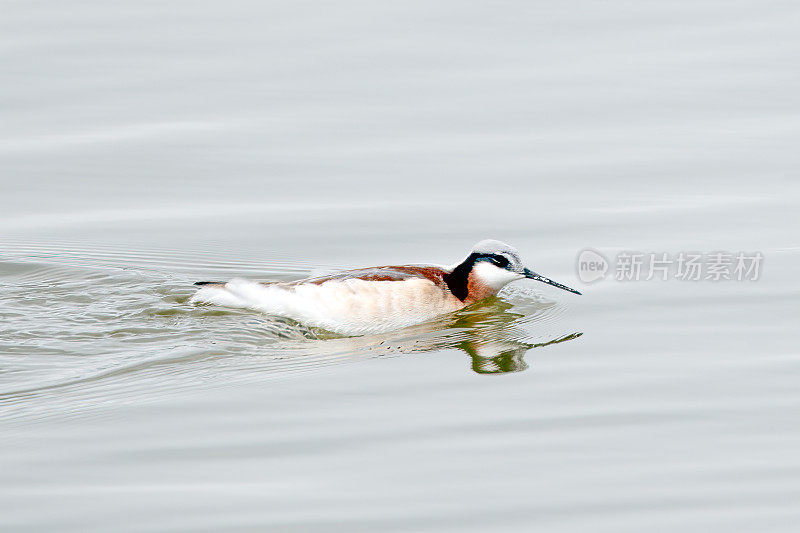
column 76, row 323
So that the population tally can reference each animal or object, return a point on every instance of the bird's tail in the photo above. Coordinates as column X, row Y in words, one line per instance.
column 211, row 283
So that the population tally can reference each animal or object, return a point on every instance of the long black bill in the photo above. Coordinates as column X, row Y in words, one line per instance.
column 533, row 275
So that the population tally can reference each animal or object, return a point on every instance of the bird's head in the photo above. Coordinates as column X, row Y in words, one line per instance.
column 489, row 267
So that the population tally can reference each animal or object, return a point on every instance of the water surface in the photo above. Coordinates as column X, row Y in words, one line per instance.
column 144, row 147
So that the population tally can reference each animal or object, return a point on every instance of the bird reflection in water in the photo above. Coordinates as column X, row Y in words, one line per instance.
column 493, row 338
column 490, row 332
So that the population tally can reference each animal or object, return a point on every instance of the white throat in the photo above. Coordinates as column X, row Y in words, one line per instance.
column 494, row 276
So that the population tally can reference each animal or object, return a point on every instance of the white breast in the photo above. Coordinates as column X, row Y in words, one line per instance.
column 348, row 307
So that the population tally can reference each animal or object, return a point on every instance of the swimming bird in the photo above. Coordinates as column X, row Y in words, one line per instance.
column 379, row 299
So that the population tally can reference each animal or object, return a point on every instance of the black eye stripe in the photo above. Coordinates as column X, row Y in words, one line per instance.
column 499, row 260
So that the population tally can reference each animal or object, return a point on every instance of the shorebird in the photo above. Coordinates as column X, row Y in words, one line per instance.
column 379, row 299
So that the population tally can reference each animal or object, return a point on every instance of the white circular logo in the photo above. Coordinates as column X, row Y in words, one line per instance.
column 592, row 266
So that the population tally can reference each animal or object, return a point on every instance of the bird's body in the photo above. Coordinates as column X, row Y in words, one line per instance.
column 353, row 302
column 378, row 299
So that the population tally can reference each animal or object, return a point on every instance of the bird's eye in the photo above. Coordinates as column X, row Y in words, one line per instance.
column 500, row 261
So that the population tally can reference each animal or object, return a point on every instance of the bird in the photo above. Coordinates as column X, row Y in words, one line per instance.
column 379, row 299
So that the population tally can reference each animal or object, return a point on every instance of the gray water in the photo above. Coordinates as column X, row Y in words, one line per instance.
column 144, row 146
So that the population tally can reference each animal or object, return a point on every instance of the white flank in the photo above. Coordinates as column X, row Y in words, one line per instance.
column 348, row 307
